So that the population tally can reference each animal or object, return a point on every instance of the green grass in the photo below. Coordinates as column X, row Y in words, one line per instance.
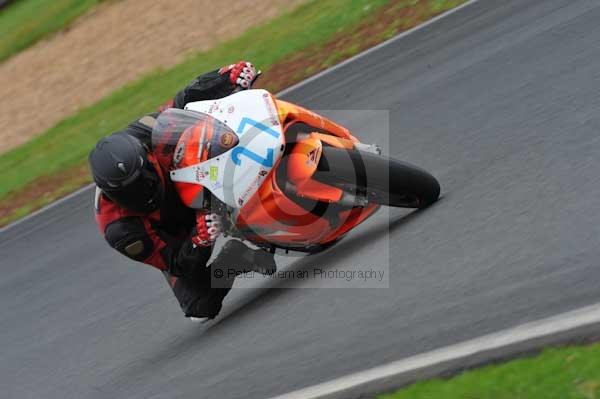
column 27, row 21
column 563, row 373
column 68, row 143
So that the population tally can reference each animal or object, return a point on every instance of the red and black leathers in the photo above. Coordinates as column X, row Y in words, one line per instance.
column 163, row 238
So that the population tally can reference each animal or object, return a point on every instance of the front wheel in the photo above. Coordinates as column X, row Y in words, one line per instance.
column 383, row 180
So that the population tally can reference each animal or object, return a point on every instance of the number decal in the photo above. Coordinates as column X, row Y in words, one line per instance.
column 249, row 121
column 238, row 151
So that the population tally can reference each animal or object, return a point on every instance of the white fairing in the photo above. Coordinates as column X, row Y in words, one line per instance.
column 236, row 175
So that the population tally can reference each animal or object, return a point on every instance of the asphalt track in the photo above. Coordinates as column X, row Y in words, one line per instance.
column 500, row 101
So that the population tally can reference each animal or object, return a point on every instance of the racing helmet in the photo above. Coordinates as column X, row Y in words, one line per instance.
column 122, row 169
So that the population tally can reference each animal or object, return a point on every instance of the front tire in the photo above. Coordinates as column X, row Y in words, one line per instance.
column 383, row 180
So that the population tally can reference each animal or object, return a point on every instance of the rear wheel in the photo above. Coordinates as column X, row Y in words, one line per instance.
column 382, row 180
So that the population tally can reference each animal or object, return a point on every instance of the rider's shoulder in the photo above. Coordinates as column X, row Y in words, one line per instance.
column 141, row 128
column 108, row 211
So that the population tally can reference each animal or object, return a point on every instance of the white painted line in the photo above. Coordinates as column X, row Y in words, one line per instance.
column 535, row 330
column 281, row 93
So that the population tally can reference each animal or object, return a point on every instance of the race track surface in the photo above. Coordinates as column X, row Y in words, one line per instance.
column 500, row 101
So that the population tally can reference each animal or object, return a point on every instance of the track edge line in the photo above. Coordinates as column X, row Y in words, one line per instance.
column 574, row 325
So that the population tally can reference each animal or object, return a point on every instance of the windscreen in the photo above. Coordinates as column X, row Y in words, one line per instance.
column 176, row 129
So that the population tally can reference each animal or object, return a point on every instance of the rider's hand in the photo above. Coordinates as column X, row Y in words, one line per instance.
column 208, row 228
column 241, row 74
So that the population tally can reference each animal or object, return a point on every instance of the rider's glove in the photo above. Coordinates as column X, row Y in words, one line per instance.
column 208, row 228
column 241, row 74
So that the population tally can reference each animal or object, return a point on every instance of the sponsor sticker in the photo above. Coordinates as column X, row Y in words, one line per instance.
column 254, row 185
column 227, row 140
column 213, row 107
column 200, row 175
column 273, row 118
column 214, row 173
column 312, row 156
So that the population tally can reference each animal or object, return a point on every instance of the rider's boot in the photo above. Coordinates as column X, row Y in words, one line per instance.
column 237, row 255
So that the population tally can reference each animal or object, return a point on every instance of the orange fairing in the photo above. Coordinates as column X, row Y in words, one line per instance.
column 291, row 112
column 352, row 218
column 304, row 157
column 270, row 216
column 302, row 164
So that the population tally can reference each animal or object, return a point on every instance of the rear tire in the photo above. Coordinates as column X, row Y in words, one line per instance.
column 383, row 180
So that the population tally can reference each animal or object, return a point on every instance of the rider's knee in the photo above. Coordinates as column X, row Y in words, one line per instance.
column 205, row 307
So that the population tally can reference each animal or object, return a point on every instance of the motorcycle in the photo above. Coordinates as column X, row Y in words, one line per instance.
column 282, row 177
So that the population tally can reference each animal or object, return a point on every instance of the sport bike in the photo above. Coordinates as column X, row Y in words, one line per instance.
column 280, row 175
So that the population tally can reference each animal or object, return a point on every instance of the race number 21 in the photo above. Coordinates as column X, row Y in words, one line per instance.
column 237, row 152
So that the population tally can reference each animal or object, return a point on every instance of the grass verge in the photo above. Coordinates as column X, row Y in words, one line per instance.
column 27, row 21
column 285, row 49
column 556, row 373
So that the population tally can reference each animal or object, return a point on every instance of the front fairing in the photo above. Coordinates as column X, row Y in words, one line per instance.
column 244, row 139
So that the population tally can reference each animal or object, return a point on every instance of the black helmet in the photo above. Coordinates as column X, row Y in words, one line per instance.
column 121, row 169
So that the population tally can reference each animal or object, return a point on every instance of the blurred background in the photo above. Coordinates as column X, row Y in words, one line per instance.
column 72, row 71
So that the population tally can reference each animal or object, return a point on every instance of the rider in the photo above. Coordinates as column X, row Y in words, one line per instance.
column 140, row 214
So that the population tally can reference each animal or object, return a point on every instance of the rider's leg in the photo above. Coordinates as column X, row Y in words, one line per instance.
column 236, row 257
column 201, row 295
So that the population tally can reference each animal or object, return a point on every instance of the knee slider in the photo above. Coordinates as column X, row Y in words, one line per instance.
column 129, row 237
